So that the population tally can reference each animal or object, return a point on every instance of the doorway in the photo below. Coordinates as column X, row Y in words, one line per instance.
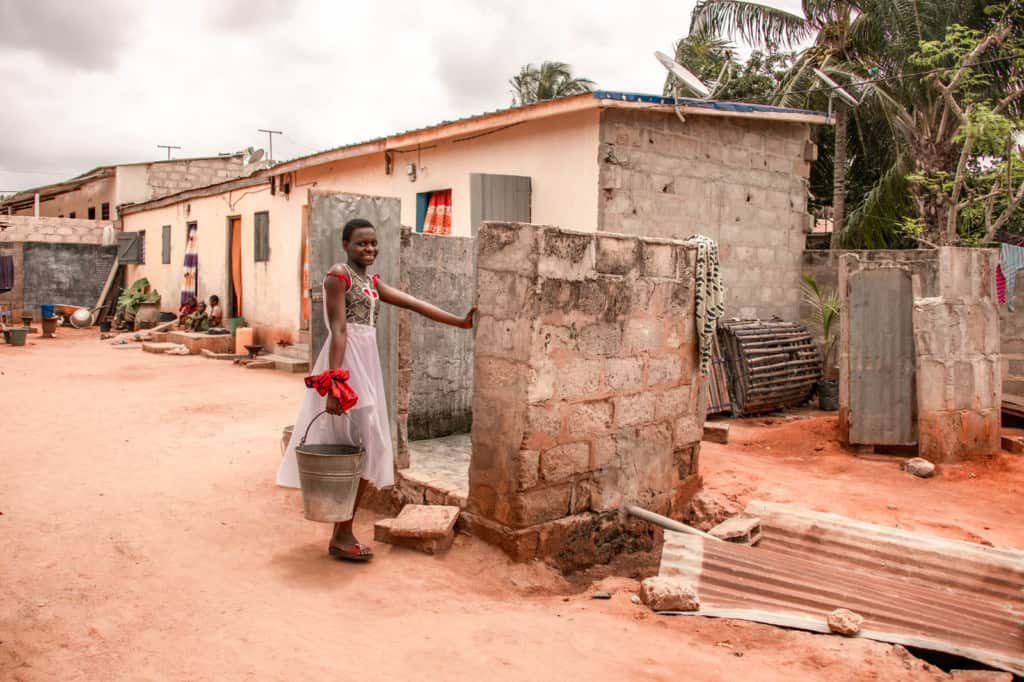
column 234, row 266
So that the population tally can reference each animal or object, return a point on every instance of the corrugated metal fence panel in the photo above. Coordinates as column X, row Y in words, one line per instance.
column 882, row 391
column 911, row 589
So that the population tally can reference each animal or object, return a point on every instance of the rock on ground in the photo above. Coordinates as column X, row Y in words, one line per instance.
column 708, row 509
column 920, row 467
column 845, row 622
column 668, row 594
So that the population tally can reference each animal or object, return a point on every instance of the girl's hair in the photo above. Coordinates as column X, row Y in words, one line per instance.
column 353, row 225
column 215, row 299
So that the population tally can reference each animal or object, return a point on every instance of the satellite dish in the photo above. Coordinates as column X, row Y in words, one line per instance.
column 683, row 74
column 253, row 156
column 836, row 88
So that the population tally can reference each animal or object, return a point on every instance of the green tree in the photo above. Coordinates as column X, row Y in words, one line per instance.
column 547, row 81
column 830, row 24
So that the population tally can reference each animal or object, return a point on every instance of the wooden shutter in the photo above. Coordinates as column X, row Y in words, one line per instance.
column 128, row 248
column 499, row 197
column 261, row 236
column 165, row 246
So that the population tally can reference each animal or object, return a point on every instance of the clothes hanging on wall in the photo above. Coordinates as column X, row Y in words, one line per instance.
column 1011, row 260
column 190, row 278
column 6, row 274
column 1000, row 286
column 709, row 296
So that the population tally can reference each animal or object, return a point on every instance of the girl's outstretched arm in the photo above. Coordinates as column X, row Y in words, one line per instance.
column 399, row 298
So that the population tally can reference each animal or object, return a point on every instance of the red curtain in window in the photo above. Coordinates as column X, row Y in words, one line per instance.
column 439, row 213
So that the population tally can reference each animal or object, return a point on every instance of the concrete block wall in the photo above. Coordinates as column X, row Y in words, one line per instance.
column 51, row 230
column 959, row 371
column 586, row 391
column 436, row 361
column 742, row 183
column 167, row 178
column 72, row 274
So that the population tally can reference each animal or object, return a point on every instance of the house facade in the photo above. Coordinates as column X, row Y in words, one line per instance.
column 613, row 162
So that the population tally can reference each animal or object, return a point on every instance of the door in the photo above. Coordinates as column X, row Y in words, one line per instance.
column 328, row 213
column 883, row 402
column 498, row 197
column 235, row 266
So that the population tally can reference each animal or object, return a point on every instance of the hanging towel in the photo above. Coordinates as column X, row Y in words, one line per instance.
column 6, row 274
column 1011, row 260
column 1000, row 285
column 709, row 296
column 190, row 278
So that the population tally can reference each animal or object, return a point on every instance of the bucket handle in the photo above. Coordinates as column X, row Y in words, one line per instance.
column 306, row 434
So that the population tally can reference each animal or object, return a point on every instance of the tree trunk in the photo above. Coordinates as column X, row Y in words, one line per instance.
column 839, row 178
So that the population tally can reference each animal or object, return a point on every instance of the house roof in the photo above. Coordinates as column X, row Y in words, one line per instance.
column 492, row 121
column 26, row 198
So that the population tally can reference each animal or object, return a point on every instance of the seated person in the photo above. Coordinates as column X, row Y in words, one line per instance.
column 199, row 321
column 186, row 309
column 216, row 316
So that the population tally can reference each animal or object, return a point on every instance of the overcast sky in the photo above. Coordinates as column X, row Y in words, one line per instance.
column 95, row 82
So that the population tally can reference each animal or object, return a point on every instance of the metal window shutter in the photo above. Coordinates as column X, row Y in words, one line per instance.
column 128, row 248
column 165, row 251
column 499, row 197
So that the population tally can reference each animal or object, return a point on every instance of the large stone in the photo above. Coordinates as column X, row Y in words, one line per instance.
column 742, row 530
column 708, row 509
column 716, row 433
column 845, row 622
column 382, row 532
column 669, row 594
column 919, row 467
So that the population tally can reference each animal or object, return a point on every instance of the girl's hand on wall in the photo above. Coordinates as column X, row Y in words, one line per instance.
column 467, row 321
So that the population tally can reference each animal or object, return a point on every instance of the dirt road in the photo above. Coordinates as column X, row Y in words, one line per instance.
column 143, row 539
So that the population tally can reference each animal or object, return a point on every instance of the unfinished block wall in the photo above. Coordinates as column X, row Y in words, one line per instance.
column 52, row 230
column 167, row 178
column 741, row 182
column 586, row 390
column 956, row 336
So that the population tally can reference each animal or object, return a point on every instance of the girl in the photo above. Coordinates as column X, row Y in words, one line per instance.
column 352, row 299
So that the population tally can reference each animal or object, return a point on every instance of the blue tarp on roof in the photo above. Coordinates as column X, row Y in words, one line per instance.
column 740, row 107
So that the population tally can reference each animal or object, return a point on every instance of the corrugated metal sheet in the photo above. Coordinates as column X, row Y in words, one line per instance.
column 883, row 399
column 719, row 105
column 911, row 589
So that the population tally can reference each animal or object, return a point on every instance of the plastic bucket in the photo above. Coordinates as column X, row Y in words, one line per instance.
column 46, row 310
column 329, row 475
column 17, row 336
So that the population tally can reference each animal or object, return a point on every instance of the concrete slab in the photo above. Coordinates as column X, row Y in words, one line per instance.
column 424, row 521
column 287, row 363
column 382, row 533
column 221, row 356
column 154, row 347
column 1014, row 444
column 261, row 364
column 196, row 342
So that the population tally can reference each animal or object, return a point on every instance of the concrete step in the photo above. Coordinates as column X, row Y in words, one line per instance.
column 428, row 529
column 287, row 363
column 298, row 351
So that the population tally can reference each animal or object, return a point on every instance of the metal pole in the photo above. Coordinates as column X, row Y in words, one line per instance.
column 270, row 140
column 667, row 523
column 168, row 147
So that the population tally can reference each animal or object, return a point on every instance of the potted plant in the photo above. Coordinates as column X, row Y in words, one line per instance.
column 825, row 307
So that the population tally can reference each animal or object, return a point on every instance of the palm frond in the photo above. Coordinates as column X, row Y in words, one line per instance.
column 756, row 24
column 873, row 223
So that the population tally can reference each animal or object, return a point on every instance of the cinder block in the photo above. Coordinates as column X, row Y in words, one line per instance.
column 664, row 370
column 635, row 409
column 603, row 339
column 587, row 420
column 716, row 433
column 566, row 255
column 558, row 464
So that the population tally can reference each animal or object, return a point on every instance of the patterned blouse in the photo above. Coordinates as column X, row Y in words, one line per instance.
column 362, row 299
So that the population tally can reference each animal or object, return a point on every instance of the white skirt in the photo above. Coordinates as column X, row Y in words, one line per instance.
column 366, row 425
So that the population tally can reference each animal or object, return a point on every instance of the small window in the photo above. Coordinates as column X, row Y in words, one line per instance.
column 434, row 212
column 71, row 215
column 92, row 213
column 104, row 211
column 261, row 237
column 165, row 246
column 131, row 248
column 142, row 247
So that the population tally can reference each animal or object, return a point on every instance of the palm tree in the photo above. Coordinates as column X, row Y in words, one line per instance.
column 709, row 57
column 547, row 81
column 830, row 23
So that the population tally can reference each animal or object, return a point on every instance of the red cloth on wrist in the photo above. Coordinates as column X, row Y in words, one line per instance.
column 335, row 382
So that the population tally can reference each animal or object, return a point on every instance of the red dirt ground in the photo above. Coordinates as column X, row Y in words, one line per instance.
column 144, row 538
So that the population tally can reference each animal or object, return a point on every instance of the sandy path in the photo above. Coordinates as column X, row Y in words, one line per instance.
column 143, row 538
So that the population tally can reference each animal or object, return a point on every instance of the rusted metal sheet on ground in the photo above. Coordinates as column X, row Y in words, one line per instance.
column 882, row 390
column 912, row 589
column 772, row 364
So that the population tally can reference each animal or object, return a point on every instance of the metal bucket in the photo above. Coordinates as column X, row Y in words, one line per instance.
column 329, row 475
